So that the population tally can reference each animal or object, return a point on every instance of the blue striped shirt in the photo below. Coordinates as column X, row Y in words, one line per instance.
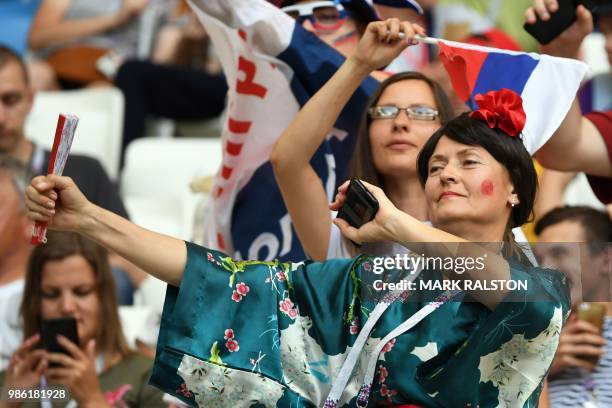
column 568, row 389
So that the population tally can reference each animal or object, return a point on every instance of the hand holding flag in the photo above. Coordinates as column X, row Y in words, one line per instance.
column 547, row 85
column 394, row 35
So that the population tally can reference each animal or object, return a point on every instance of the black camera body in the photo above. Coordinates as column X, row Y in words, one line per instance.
column 360, row 206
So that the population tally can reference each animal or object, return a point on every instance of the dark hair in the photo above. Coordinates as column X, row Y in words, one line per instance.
column 508, row 151
column 60, row 245
column 362, row 163
column 7, row 55
column 596, row 224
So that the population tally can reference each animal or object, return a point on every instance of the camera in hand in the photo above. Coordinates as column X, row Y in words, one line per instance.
column 360, row 206
column 51, row 328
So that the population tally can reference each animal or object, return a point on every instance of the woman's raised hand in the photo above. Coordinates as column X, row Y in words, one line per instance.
column 56, row 200
column 383, row 41
column 381, row 228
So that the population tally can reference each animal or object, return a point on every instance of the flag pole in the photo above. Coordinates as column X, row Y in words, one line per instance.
column 426, row 40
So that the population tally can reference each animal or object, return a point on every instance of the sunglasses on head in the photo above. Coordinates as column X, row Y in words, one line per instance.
column 417, row 112
column 324, row 15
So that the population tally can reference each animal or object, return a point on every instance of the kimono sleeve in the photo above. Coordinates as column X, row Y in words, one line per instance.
column 509, row 352
column 265, row 332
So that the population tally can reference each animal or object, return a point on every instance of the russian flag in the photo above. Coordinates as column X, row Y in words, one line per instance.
column 272, row 66
column 547, row 84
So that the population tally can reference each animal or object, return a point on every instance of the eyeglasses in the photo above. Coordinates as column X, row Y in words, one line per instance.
column 419, row 112
column 324, row 15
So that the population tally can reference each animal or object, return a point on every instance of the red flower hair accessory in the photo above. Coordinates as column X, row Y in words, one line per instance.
column 501, row 109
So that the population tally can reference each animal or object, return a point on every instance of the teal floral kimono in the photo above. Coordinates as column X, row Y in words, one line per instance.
column 270, row 334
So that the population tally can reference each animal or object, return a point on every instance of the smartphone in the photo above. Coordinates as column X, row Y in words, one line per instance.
column 66, row 326
column 546, row 31
column 360, row 206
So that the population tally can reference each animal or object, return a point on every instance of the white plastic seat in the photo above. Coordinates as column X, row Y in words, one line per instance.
column 156, row 178
column 99, row 133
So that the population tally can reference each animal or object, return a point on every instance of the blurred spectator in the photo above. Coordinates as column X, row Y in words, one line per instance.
column 15, row 104
column 70, row 276
column 586, row 140
column 86, row 41
column 596, row 94
column 15, row 247
column 15, row 21
column 582, row 369
column 456, row 19
column 187, row 92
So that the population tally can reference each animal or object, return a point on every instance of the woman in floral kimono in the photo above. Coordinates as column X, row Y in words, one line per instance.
column 241, row 334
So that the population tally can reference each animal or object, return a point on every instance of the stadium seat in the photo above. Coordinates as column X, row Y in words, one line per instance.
column 156, row 178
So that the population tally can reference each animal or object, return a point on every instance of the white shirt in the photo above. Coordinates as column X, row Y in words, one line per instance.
column 11, row 331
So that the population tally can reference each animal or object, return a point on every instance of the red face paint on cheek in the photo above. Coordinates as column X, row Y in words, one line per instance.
column 487, row 187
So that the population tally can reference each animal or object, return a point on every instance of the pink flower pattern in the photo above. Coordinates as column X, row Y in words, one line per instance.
column 286, row 306
column 242, row 288
column 236, row 296
column 388, row 346
column 382, row 374
column 232, row 345
column 280, row 276
column 115, row 398
column 355, row 326
column 241, row 291
column 386, row 392
column 229, row 334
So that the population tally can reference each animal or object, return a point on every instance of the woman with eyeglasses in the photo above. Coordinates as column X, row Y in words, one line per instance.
column 402, row 114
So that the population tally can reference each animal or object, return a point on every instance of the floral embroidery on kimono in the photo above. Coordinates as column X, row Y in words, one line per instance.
column 238, row 334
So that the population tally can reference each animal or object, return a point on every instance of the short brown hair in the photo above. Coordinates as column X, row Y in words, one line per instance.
column 109, row 337
column 596, row 224
column 8, row 55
